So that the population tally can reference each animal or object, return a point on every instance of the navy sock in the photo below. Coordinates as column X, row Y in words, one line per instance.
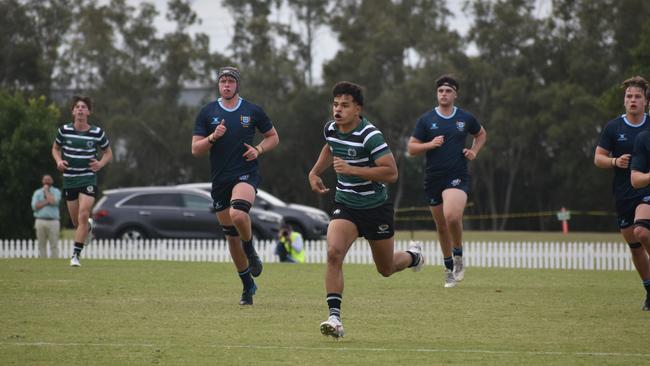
column 646, row 284
column 415, row 259
column 334, row 303
column 78, row 247
column 458, row 252
column 449, row 263
column 248, row 247
column 246, row 279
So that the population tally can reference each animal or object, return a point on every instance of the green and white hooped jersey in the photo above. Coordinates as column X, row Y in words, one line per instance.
column 360, row 147
column 78, row 148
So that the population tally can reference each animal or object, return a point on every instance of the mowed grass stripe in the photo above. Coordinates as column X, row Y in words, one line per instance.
column 336, row 349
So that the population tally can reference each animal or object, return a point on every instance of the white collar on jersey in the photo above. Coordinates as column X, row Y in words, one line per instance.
column 228, row 109
column 645, row 118
column 437, row 109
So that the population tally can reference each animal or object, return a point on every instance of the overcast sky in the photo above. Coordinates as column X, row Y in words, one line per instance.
column 216, row 22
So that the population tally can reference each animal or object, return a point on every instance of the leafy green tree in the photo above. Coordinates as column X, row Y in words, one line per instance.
column 27, row 130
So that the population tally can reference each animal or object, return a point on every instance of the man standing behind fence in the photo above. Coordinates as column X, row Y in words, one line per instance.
column 614, row 152
column 441, row 134
column 225, row 128
column 45, row 204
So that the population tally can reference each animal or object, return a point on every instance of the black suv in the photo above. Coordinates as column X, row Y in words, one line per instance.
column 168, row 212
column 309, row 221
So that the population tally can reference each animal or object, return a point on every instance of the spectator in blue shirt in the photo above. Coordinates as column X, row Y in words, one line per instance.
column 45, row 204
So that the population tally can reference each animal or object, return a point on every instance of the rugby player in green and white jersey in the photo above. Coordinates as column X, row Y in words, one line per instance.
column 364, row 164
column 75, row 152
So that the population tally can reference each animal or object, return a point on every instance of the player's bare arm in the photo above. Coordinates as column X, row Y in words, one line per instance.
column 385, row 170
column 324, row 161
column 477, row 144
column 417, row 147
column 604, row 160
column 269, row 142
column 61, row 165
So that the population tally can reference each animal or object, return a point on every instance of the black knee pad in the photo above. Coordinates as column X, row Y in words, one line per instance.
column 241, row 205
column 634, row 245
column 645, row 223
column 229, row 230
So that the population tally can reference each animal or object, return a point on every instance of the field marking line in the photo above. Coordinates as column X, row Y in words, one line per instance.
column 341, row 349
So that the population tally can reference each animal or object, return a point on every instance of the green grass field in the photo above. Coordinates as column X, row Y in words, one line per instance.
column 175, row 313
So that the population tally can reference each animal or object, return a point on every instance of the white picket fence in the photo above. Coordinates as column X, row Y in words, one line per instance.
column 605, row 256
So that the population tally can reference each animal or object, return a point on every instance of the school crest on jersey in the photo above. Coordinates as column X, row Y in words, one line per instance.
column 460, row 125
column 89, row 143
column 352, row 152
column 245, row 121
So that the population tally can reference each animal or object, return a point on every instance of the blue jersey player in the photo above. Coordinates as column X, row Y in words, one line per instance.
column 614, row 152
column 363, row 163
column 225, row 128
column 441, row 134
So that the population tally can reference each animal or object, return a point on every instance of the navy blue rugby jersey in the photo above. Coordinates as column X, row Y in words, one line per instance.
column 448, row 158
column 618, row 138
column 226, row 158
column 641, row 154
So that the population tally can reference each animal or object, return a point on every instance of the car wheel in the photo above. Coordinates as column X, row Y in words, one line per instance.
column 133, row 233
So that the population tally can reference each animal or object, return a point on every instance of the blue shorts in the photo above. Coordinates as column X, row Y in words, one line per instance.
column 375, row 223
column 222, row 191
column 433, row 187
column 625, row 210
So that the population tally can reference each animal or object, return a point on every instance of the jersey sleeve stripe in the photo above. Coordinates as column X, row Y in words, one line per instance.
column 371, row 134
column 379, row 148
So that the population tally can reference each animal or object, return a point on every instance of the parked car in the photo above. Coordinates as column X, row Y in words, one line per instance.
column 309, row 221
column 168, row 212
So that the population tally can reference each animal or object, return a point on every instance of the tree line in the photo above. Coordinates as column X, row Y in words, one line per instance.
column 542, row 85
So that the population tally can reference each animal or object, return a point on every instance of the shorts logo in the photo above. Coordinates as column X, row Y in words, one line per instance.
column 433, row 202
column 245, row 120
column 244, row 177
column 352, row 153
column 460, row 125
column 646, row 199
column 336, row 212
column 434, row 126
column 455, row 182
column 621, row 137
column 90, row 189
column 383, row 229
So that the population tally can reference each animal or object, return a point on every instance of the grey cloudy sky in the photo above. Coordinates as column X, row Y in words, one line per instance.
column 217, row 22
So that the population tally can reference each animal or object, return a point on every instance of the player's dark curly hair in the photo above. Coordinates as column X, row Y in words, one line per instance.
column 348, row 88
column 87, row 101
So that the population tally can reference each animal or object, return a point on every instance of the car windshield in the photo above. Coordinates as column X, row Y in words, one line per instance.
column 273, row 200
